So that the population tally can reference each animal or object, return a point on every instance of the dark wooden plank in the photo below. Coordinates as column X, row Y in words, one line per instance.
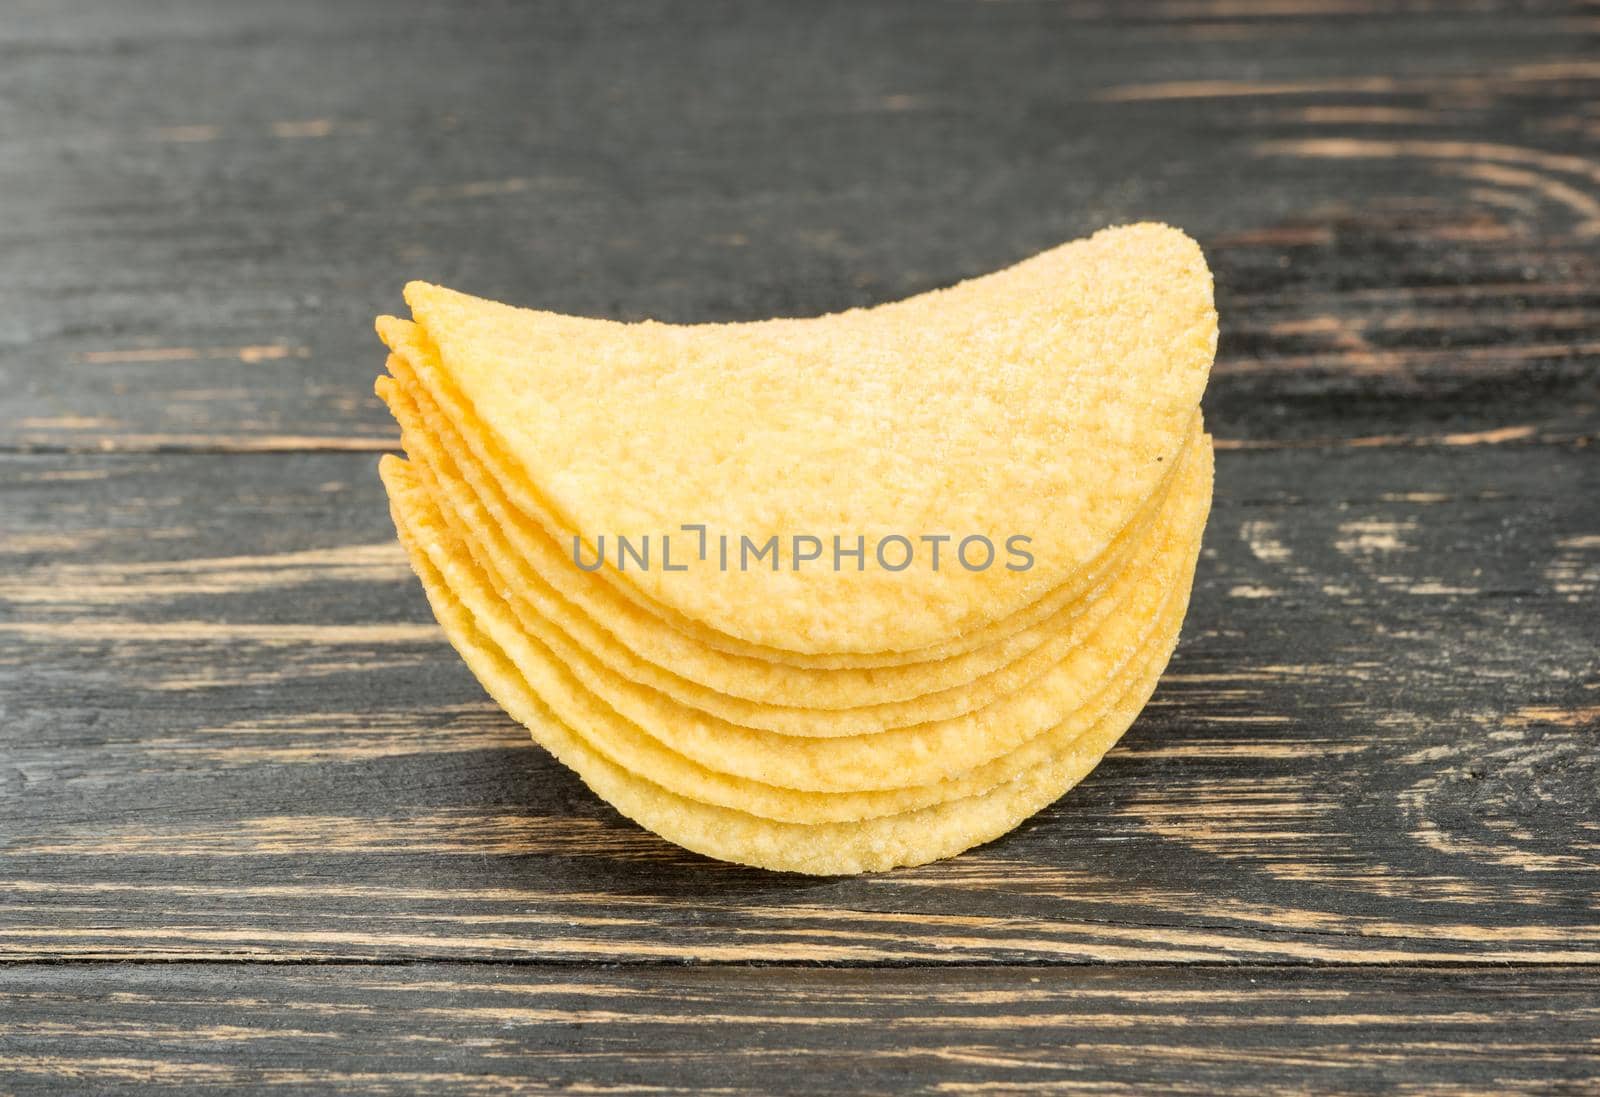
column 230, row 730
column 206, row 204
column 441, row 1028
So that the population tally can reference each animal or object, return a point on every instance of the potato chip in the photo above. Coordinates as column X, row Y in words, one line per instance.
column 493, row 475
column 793, row 715
column 644, row 755
column 578, row 643
column 755, row 692
column 906, row 838
column 1047, row 400
column 604, row 706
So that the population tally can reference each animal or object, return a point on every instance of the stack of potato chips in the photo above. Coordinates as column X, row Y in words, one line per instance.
column 823, row 595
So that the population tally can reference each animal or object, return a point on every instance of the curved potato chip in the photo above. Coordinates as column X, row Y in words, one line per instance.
column 907, row 838
column 638, row 753
column 582, row 646
column 756, row 693
column 920, row 754
column 451, row 426
column 1044, row 400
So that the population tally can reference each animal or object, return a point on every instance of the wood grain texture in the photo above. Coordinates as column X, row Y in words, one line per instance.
column 232, row 731
column 429, row 1028
column 259, row 829
column 207, row 203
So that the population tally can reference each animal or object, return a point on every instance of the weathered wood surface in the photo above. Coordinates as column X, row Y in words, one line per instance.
column 435, row 1028
column 234, row 749
column 207, row 203
column 234, row 733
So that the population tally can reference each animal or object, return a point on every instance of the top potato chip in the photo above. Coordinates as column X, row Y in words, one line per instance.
column 1024, row 417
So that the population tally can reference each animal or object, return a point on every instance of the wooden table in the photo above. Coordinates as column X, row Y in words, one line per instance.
column 260, row 829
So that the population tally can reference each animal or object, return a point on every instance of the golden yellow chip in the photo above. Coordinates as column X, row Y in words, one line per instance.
column 627, row 746
column 587, row 696
column 558, row 626
column 742, row 688
column 493, row 475
column 795, row 715
column 1046, row 400
column 906, row 838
